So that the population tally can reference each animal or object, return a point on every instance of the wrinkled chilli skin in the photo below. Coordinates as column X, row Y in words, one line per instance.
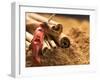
column 37, row 42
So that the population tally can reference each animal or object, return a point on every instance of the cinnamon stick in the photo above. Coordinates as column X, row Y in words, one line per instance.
column 31, row 21
column 51, row 42
column 62, row 40
column 27, row 44
column 56, row 28
column 46, row 48
column 31, row 24
column 29, row 36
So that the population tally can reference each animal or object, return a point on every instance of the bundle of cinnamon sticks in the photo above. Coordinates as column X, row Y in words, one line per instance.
column 55, row 36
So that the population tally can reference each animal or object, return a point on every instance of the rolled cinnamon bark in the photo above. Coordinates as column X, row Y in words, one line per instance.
column 31, row 21
column 41, row 18
column 56, row 28
column 29, row 63
column 46, row 48
column 46, row 41
column 27, row 44
column 31, row 24
column 29, row 36
column 62, row 41
column 51, row 42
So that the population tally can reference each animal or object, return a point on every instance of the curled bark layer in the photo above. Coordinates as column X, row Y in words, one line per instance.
column 46, row 48
column 27, row 44
column 51, row 42
column 29, row 36
column 56, row 28
column 62, row 40
column 31, row 24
